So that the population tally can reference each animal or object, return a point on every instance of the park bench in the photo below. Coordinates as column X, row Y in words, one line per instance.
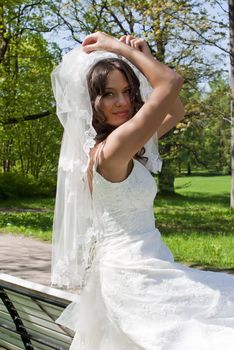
column 27, row 315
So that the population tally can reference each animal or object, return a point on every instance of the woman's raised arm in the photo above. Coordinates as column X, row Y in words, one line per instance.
column 156, row 72
column 125, row 141
column 176, row 111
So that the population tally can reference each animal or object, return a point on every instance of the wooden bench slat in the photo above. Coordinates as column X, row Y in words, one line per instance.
column 42, row 314
column 22, row 299
column 10, row 334
column 3, row 309
column 2, row 306
column 9, row 347
column 34, row 308
column 48, row 333
column 40, row 311
column 53, row 307
column 8, row 326
column 37, row 317
column 36, row 326
column 32, row 321
column 37, row 290
column 4, row 316
column 7, row 332
column 45, row 347
column 11, row 339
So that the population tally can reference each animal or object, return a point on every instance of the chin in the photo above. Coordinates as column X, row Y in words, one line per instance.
column 120, row 122
column 116, row 124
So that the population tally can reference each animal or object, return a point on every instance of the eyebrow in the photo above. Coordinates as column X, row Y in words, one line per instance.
column 112, row 88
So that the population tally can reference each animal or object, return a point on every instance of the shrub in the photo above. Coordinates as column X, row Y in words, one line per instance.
column 13, row 185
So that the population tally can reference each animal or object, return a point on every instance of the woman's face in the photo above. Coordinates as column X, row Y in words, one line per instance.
column 115, row 104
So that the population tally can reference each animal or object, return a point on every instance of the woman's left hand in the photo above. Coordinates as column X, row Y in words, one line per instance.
column 100, row 41
column 136, row 43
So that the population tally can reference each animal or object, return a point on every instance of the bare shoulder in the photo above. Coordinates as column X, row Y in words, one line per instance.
column 109, row 167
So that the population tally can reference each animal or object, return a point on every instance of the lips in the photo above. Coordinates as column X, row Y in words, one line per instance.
column 121, row 114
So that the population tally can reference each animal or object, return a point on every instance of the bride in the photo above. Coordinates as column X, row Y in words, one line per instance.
column 113, row 99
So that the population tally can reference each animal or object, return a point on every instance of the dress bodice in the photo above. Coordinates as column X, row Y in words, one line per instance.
column 136, row 192
column 125, row 214
column 127, row 204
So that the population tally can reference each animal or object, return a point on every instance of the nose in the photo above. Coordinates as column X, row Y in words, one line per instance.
column 121, row 99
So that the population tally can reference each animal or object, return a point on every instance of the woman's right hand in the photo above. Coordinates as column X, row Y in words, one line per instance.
column 136, row 43
column 99, row 41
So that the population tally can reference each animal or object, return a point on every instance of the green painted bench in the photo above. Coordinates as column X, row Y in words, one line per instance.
column 27, row 316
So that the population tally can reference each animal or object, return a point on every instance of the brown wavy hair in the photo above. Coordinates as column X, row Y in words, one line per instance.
column 97, row 79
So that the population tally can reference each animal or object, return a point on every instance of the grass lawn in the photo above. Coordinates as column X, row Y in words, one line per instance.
column 196, row 224
column 208, row 185
column 31, row 217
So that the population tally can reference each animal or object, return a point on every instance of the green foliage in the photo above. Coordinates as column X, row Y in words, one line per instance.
column 28, row 223
column 28, row 147
column 202, row 140
column 13, row 185
column 33, row 146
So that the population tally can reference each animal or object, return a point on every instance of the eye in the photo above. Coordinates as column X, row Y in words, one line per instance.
column 108, row 94
column 128, row 91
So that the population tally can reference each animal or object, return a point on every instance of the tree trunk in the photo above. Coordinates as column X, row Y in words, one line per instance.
column 189, row 168
column 179, row 167
column 166, row 178
column 4, row 41
column 6, row 166
column 231, row 28
column 232, row 150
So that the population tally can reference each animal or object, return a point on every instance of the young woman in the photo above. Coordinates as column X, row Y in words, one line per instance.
column 132, row 295
column 117, row 106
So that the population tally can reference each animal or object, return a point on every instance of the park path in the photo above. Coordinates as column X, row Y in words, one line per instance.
column 25, row 257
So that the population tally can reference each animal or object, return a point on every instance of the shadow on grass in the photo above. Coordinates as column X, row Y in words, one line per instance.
column 208, row 267
column 36, row 204
column 195, row 198
column 204, row 214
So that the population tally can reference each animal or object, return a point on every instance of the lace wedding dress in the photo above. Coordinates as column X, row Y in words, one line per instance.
column 137, row 297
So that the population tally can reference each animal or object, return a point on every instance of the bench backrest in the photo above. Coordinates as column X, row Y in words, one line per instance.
column 27, row 316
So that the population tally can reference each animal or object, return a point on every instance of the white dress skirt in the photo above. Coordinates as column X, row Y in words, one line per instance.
column 137, row 297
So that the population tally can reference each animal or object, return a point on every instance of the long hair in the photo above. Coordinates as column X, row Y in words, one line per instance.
column 96, row 79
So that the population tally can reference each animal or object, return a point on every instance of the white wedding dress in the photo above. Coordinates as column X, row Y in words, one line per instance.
column 137, row 297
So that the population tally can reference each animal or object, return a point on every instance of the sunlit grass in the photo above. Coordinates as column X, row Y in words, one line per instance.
column 30, row 217
column 197, row 224
column 218, row 185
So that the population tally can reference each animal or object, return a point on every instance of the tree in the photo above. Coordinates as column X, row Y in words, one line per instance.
column 28, row 145
column 20, row 19
column 203, row 140
column 175, row 31
column 231, row 27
